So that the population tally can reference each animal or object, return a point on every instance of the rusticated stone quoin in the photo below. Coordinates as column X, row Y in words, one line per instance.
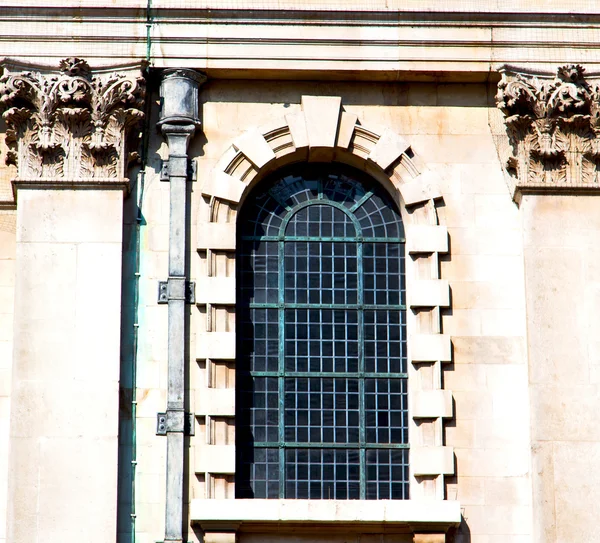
column 553, row 124
column 73, row 126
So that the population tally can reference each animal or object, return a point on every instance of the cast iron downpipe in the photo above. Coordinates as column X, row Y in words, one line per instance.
column 178, row 122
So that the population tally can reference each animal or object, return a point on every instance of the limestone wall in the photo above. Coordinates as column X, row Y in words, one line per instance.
column 448, row 127
column 7, row 283
column 561, row 238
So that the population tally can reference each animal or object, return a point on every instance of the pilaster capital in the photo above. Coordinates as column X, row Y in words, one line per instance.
column 72, row 126
column 553, row 126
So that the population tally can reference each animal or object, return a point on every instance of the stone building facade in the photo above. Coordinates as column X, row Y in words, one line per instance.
column 136, row 306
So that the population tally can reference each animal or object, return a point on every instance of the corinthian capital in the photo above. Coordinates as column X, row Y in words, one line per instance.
column 553, row 125
column 72, row 126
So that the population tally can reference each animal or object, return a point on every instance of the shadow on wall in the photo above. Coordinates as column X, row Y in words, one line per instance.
column 354, row 93
column 462, row 534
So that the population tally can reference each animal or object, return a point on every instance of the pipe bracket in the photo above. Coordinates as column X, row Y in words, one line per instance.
column 174, row 289
column 175, row 421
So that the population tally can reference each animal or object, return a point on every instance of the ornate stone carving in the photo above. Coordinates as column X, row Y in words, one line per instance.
column 73, row 126
column 553, row 125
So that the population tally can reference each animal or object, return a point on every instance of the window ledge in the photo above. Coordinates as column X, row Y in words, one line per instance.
column 408, row 514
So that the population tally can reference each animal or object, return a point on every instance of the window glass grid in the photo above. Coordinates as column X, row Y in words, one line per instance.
column 322, row 410
column 332, row 410
column 259, row 339
column 387, row 474
column 383, row 274
column 384, row 341
column 257, row 473
column 258, row 272
column 321, row 340
column 386, row 411
column 321, row 273
column 322, row 474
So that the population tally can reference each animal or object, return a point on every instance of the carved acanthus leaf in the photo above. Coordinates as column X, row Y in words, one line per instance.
column 553, row 125
column 72, row 125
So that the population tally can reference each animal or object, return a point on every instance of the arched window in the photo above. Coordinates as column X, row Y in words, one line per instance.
column 321, row 402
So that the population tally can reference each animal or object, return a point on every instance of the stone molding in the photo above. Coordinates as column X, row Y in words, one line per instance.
column 553, row 126
column 398, row 516
column 72, row 127
column 448, row 41
column 321, row 131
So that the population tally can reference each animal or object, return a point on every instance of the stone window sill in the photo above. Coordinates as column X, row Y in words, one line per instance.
column 401, row 515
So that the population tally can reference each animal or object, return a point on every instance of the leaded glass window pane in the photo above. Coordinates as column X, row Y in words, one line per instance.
column 321, row 405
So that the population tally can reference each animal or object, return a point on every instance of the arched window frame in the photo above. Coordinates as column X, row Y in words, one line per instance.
column 318, row 129
column 372, row 236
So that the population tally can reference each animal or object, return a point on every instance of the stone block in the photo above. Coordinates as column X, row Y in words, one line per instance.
column 509, row 461
column 321, row 114
column 495, row 210
column 508, row 491
column 429, row 538
column 64, row 506
column 311, row 512
column 7, row 274
column 70, row 216
column 502, row 322
column 254, row 146
column 430, row 348
column 429, row 293
column 488, row 350
column 500, row 520
column 219, row 537
column 297, row 125
column 215, row 290
column 483, row 267
column 423, row 188
column 560, row 413
column 52, row 408
column 222, row 185
column 216, row 345
column 487, row 295
column 426, row 239
column 467, row 377
column 432, row 404
column 462, row 322
column 5, row 377
column 432, row 460
column 472, row 403
column 215, row 401
column 214, row 459
column 8, row 245
column 212, row 235
column 456, row 148
column 543, row 491
column 502, row 432
column 389, row 148
column 461, row 432
column 346, row 130
column 469, row 490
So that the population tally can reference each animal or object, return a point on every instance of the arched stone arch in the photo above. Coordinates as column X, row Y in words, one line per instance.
column 322, row 132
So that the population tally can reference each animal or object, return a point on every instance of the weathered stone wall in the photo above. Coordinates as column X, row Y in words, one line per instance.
column 448, row 127
column 7, row 284
column 560, row 236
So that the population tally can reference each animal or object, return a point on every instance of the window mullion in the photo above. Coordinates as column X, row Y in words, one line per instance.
column 361, row 373
column 281, row 365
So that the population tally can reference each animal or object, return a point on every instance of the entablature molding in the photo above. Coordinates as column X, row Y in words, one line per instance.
column 305, row 41
column 72, row 126
column 553, row 126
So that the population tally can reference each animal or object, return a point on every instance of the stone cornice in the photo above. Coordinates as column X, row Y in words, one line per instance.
column 298, row 41
column 72, row 126
column 553, row 125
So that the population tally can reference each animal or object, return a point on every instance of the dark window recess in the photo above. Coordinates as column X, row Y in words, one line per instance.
column 321, row 394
